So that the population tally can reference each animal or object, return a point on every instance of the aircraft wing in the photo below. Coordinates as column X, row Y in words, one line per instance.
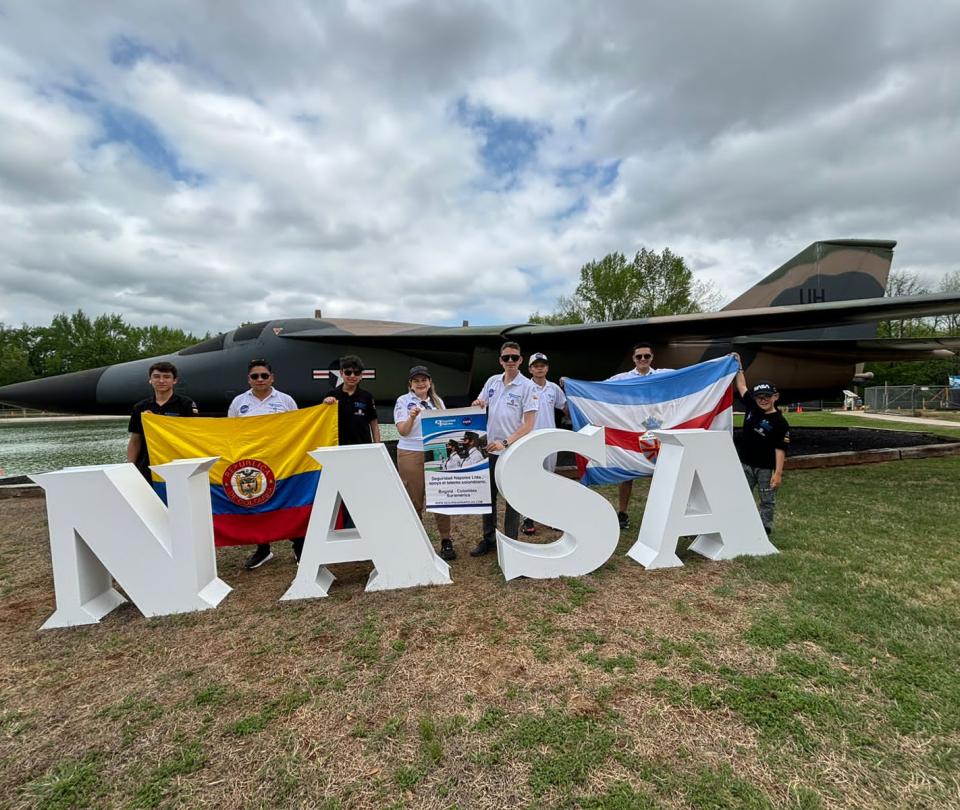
column 881, row 349
column 741, row 322
column 698, row 326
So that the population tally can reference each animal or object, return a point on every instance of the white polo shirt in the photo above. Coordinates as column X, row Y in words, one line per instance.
column 401, row 412
column 552, row 399
column 506, row 405
column 629, row 375
column 246, row 404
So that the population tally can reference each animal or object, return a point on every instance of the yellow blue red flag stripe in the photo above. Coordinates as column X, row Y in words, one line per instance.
column 262, row 487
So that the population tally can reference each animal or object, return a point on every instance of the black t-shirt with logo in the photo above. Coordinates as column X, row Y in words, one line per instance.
column 177, row 405
column 763, row 433
column 355, row 412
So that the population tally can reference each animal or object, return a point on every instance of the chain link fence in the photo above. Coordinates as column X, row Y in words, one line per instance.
column 912, row 398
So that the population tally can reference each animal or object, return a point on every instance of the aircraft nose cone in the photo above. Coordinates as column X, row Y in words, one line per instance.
column 70, row 393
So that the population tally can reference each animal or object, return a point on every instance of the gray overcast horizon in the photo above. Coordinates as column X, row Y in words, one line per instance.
column 200, row 164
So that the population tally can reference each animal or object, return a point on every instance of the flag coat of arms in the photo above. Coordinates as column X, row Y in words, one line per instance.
column 698, row 396
column 262, row 487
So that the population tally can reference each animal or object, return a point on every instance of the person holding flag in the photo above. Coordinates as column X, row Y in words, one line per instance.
column 642, row 367
column 420, row 397
column 552, row 399
column 261, row 399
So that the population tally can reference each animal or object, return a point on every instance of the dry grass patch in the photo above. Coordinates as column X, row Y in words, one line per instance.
column 701, row 686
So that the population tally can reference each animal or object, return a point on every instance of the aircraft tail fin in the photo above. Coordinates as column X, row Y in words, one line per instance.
column 832, row 270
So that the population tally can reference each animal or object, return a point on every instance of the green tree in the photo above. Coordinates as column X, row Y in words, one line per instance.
column 14, row 354
column 917, row 372
column 75, row 342
column 614, row 288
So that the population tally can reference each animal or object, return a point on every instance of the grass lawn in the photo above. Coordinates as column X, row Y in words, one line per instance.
column 825, row 676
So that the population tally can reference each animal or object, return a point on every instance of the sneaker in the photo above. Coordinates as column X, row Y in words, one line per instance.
column 483, row 547
column 528, row 527
column 624, row 519
column 297, row 547
column 259, row 557
column 446, row 550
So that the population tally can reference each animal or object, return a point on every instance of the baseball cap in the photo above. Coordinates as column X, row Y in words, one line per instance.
column 763, row 388
column 538, row 357
column 419, row 371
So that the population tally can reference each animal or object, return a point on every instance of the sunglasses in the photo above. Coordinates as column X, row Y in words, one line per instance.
column 261, row 376
column 352, row 372
column 763, row 396
column 643, row 357
column 510, row 358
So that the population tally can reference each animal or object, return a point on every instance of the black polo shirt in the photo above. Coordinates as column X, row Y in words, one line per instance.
column 355, row 412
column 763, row 433
column 177, row 405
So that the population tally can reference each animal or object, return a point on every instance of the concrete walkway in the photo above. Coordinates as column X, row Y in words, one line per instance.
column 910, row 420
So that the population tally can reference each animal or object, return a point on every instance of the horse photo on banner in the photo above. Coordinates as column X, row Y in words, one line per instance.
column 262, row 487
column 698, row 396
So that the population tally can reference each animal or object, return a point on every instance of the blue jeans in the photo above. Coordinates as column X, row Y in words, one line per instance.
column 760, row 478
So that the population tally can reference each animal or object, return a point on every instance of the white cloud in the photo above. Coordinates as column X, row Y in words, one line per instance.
column 182, row 165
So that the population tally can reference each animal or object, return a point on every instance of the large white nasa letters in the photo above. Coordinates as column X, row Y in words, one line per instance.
column 106, row 522
column 589, row 523
column 698, row 488
column 388, row 529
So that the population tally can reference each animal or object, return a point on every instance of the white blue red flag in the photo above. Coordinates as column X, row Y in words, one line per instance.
column 698, row 396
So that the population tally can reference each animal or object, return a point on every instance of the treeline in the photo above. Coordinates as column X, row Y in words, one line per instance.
column 77, row 342
column 918, row 372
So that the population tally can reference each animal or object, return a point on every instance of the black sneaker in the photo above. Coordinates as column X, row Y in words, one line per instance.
column 624, row 519
column 483, row 547
column 446, row 550
column 297, row 547
column 528, row 527
column 259, row 557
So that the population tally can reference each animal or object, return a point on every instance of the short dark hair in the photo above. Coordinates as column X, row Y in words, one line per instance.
column 259, row 361
column 164, row 367
column 351, row 361
column 642, row 344
column 511, row 344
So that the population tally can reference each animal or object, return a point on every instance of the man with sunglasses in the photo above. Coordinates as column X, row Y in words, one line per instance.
column 763, row 443
column 356, row 409
column 642, row 366
column 512, row 402
column 260, row 400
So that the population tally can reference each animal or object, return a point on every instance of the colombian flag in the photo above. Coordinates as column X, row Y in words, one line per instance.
column 262, row 487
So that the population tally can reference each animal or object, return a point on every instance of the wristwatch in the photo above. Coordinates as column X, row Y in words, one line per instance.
column 506, row 443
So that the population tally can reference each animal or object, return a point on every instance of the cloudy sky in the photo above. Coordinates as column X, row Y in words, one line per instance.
column 199, row 164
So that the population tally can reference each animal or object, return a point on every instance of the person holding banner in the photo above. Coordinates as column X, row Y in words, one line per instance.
column 512, row 402
column 262, row 399
column 420, row 397
column 162, row 377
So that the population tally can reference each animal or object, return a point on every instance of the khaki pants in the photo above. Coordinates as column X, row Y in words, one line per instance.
column 410, row 465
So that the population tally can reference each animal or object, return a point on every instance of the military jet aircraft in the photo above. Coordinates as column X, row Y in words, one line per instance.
column 806, row 326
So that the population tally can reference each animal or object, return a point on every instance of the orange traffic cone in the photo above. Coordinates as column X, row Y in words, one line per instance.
column 799, row 408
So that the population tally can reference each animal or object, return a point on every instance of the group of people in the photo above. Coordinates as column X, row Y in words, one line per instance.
column 515, row 405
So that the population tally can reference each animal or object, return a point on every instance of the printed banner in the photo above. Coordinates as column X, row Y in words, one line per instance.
column 262, row 487
column 698, row 396
column 458, row 476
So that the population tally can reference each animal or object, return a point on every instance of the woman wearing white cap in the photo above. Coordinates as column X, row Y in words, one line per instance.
column 406, row 416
